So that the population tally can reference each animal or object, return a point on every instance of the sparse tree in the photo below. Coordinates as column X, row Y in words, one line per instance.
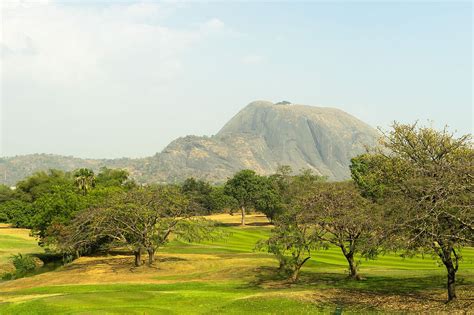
column 424, row 178
column 292, row 240
column 350, row 222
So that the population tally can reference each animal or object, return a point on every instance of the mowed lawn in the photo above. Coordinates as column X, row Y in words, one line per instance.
column 14, row 241
column 228, row 277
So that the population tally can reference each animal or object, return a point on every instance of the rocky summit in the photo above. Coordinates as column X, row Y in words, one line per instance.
column 261, row 137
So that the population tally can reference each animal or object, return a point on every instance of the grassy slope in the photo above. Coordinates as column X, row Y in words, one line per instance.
column 14, row 241
column 227, row 276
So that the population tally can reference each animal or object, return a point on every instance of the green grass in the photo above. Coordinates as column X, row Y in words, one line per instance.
column 238, row 280
column 182, row 298
column 11, row 244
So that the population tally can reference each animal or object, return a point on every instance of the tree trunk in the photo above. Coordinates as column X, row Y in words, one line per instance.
column 242, row 209
column 138, row 258
column 349, row 254
column 352, row 266
column 281, row 264
column 451, row 267
column 151, row 256
column 296, row 274
column 451, row 284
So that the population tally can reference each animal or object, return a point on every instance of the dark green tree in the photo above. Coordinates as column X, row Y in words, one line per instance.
column 244, row 187
column 41, row 183
column 199, row 193
column 141, row 219
column 108, row 177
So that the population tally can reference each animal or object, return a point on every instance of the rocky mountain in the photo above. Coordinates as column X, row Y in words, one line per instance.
column 261, row 137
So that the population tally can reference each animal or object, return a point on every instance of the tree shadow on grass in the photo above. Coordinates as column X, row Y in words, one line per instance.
column 121, row 264
column 271, row 277
column 373, row 293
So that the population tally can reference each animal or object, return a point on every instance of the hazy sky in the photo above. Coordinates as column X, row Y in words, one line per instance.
column 123, row 78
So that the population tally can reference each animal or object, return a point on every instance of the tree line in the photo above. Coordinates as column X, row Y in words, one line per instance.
column 413, row 193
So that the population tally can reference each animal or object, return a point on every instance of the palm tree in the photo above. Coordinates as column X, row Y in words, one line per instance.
column 84, row 179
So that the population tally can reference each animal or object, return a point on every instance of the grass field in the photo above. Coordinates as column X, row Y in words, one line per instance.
column 14, row 241
column 227, row 276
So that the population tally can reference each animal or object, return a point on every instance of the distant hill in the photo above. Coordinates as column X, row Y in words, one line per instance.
column 261, row 137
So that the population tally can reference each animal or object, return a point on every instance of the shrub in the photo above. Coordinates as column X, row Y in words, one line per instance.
column 23, row 265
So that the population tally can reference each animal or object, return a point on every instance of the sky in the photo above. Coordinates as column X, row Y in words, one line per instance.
column 107, row 79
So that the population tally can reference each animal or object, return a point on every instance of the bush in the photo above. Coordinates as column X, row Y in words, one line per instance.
column 23, row 265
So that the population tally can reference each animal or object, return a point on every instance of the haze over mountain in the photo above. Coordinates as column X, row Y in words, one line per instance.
column 261, row 137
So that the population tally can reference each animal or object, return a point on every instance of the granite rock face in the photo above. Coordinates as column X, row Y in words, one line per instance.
column 261, row 137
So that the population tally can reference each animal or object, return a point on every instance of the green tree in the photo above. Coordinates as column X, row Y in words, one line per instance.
column 6, row 193
column 199, row 193
column 351, row 222
column 84, row 179
column 18, row 213
column 293, row 238
column 424, row 179
column 268, row 198
column 41, row 183
column 219, row 201
column 52, row 211
column 108, row 177
column 244, row 187
column 141, row 219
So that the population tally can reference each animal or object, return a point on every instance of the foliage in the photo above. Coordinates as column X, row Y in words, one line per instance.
column 292, row 240
column 424, row 178
column 220, row 201
column 6, row 193
column 296, row 233
column 23, row 265
column 53, row 210
column 199, row 193
column 17, row 212
column 349, row 221
column 47, row 201
column 41, row 183
column 109, row 177
column 84, row 179
column 141, row 219
column 252, row 191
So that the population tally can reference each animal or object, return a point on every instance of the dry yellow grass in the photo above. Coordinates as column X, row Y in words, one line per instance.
column 169, row 268
column 253, row 219
column 6, row 229
column 14, row 241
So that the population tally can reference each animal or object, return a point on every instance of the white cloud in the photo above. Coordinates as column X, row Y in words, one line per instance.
column 68, row 45
column 215, row 24
column 252, row 59
column 84, row 65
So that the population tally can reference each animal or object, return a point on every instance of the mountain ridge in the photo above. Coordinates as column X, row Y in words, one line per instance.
column 261, row 136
